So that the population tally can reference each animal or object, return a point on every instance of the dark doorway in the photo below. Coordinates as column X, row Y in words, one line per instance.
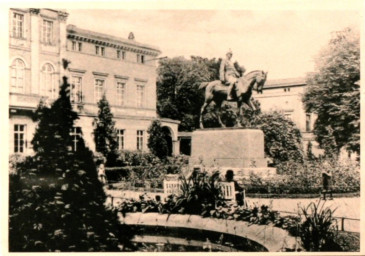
column 185, row 146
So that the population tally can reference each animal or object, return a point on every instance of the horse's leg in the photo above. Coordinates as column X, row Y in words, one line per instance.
column 251, row 105
column 217, row 108
column 202, row 111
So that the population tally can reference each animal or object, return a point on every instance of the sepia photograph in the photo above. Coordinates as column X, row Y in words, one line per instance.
column 156, row 128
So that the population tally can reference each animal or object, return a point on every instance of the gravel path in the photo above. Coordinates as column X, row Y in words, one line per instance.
column 344, row 207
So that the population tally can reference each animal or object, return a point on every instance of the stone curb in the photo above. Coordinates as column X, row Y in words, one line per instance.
column 272, row 238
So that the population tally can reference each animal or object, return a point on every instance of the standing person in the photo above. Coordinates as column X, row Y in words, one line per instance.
column 327, row 180
column 228, row 74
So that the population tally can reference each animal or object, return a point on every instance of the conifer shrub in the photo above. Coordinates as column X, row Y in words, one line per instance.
column 105, row 134
column 56, row 202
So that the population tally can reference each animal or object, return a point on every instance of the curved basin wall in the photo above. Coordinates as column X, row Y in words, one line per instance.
column 272, row 238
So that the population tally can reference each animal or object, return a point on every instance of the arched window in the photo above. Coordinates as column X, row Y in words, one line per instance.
column 17, row 76
column 48, row 81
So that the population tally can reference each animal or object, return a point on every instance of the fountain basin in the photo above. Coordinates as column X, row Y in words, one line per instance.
column 271, row 238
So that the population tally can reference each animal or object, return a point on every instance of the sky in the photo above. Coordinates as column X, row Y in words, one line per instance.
column 283, row 42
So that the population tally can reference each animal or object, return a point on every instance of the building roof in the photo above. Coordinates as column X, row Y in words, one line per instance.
column 297, row 81
column 185, row 134
column 128, row 44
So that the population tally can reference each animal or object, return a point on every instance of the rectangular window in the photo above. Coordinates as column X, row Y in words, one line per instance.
column 47, row 31
column 17, row 76
column 140, row 58
column 73, row 45
column 123, row 55
column 118, row 54
column 20, row 138
column 308, row 123
column 80, row 47
column 99, row 50
column 76, row 89
column 99, row 89
column 76, row 136
column 140, row 95
column 139, row 140
column 120, row 93
column 18, row 25
column 120, row 139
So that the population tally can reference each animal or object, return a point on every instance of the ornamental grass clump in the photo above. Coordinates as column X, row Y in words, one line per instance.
column 199, row 193
column 317, row 231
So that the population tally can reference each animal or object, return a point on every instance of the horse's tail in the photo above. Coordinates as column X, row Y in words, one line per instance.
column 203, row 85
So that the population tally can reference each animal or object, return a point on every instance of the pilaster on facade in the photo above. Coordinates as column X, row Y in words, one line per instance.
column 62, row 18
column 34, row 49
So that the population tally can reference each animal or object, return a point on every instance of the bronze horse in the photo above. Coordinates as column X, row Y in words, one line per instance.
column 215, row 91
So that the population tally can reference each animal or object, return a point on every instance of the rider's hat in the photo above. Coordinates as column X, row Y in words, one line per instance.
column 229, row 51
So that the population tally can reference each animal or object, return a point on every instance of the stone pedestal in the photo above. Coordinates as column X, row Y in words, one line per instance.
column 241, row 150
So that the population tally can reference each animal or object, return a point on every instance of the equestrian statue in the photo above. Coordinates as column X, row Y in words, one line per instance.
column 239, row 88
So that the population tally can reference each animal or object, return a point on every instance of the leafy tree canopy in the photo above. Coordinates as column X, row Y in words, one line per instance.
column 283, row 140
column 333, row 93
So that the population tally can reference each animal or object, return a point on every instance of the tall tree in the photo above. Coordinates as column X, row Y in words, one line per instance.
column 105, row 136
column 177, row 90
column 334, row 94
column 283, row 140
column 157, row 142
column 56, row 201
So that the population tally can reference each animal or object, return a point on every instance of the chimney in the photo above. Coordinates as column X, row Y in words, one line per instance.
column 131, row 36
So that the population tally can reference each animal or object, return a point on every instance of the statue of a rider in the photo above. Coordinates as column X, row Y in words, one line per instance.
column 228, row 73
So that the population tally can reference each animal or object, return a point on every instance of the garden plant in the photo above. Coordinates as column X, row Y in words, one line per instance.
column 56, row 202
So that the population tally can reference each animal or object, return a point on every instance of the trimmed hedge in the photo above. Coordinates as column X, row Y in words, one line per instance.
column 139, row 167
column 306, row 178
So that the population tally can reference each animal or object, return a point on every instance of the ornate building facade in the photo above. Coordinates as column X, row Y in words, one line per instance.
column 285, row 96
column 122, row 69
